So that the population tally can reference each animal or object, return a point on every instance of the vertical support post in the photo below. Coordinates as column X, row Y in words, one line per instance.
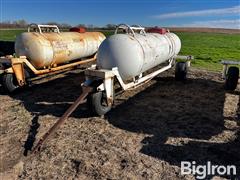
column 188, row 63
column 224, row 72
column 18, row 69
column 108, row 86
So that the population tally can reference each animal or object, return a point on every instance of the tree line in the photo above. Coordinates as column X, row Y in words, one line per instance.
column 23, row 24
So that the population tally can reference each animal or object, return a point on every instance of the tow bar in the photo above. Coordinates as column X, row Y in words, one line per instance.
column 81, row 99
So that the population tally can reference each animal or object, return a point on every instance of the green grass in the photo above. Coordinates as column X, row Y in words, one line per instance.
column 10, row 34
column 207, row 48
column 108, row 33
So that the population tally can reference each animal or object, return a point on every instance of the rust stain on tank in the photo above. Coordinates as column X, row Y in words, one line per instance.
column 40, row 63
column 60, row 56
column 47, row 49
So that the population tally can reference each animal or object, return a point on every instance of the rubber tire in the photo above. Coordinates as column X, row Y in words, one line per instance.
column 2, row 67
column 181, row 71
column 94, row 101
column 8, row 82
column 232, row 78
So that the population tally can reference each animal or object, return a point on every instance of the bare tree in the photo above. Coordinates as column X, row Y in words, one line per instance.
column 110, row 26
column 65, row 25
column 81, row 25
column 90, row 26
column 14, row 24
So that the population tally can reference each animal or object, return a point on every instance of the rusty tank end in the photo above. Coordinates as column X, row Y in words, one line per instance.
column 49, row 49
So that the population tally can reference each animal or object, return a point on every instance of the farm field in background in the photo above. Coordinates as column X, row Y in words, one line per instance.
column 10, row 34
column 207, row 48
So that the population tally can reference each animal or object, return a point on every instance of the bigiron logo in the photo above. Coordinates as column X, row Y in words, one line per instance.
column 202, row 171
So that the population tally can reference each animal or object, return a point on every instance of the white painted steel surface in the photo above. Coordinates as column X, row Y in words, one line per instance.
column 50, row 49
column 134, row 54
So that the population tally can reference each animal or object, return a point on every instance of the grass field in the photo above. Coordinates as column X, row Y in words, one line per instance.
column 10, row 34
column 207, row 48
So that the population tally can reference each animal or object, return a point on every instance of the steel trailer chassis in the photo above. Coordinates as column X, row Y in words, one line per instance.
column 107, row 78
column 19, row 67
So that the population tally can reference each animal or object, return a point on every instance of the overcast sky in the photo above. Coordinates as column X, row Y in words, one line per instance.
column 182, row 13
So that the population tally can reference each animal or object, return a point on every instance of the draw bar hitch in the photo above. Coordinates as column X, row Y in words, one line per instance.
column 81, row 99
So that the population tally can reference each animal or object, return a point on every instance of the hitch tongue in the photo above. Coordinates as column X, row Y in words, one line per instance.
column 81, row 99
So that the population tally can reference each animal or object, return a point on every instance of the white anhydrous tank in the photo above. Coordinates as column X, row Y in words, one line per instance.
column 136, row 54
column 49, row 49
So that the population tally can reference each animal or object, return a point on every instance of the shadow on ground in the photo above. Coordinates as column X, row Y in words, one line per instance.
column 54, row 96
column 31, row 136
column 180, row 119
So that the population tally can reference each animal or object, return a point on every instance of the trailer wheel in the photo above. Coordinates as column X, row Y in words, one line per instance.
column 1, row 78
column 9, row 82
column 232, row 78
column 181, row 71
column 98, row 104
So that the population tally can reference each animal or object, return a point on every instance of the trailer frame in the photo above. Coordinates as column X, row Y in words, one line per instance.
column 19, row 65
column 107, row 77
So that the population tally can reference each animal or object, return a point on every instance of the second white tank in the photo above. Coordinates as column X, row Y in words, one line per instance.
column 135, row 54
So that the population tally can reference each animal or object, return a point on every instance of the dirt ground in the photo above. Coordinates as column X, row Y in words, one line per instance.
column 146, row 135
